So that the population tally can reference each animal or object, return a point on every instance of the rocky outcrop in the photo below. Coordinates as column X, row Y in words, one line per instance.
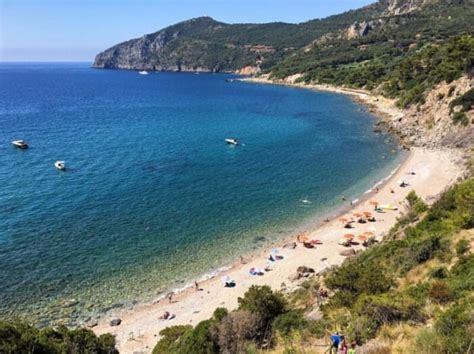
column 431, row 124
column 357, row 30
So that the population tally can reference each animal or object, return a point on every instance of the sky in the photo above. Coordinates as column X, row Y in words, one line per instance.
column 76, row 30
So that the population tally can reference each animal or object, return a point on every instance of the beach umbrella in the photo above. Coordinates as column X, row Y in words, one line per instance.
column 357, row 215
column 369, row 234
column 362, row 237
column 343, row 220
column 367, row 214
column 348, row 236
column 374, row 202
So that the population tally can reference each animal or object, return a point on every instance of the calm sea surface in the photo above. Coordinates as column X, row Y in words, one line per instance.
column 153, row 196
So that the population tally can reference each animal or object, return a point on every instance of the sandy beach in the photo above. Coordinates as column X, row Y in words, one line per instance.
column 138, row 332
column 428, row 172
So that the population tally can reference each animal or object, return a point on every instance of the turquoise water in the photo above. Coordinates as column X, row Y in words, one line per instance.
column 153, row 196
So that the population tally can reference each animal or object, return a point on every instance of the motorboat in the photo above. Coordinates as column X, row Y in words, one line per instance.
column 60, row 165
column 232, row 141
column 144, row 72
column 21, row 144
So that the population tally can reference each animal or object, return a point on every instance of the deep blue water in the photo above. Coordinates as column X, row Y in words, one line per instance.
column 153, row 196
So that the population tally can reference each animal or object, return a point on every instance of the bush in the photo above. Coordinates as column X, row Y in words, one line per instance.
column 388, row 308
column 220, row 313
column 362, row 329
column 439, row 272
column 454, row 327
column 170, row 336
column 440, row 292
column 357, row 278
column 19, row 337
column 462, row 247
column 264, row 302
column 288, row 322
column 237, row 329
column 427, row 342
column 416, row 203
column 200, row 340
column 460, row 118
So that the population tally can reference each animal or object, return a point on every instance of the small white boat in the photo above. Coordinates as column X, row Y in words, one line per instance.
column 232, row 141
column 21, row 144
column 144, row 72
column 60, row 165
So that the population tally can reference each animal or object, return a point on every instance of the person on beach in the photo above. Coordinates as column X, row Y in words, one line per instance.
column 196, row 286
column 343, row 198
column 170, row 298
column 352, row 349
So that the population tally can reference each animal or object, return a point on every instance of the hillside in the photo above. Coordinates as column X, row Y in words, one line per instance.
column 203, row 44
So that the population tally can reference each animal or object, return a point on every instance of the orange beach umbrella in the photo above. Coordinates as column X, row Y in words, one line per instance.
column 374, row 202
column 357, row 215
column 348, row 236
column 344, row 220
column 362, row 237
column 369, row 234
column 367, row 214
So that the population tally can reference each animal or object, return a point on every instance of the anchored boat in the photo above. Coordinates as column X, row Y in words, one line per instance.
column 60, row 165
column 232, row 141
column 21, row 144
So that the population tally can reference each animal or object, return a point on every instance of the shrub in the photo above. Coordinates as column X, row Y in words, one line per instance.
column 170, row 336
column 288, row 322
column 416, row 203
column 220, row 313
column 454, row 328
column 462, row 247
column 361, row 329
column 439, row 272
column 237, row 329
column 440, row 292
column 427, row 342
column 200, row 340
column 264, row 302
column 19, row 337
column 356, row 277
column 388, row 308
column 460, row 118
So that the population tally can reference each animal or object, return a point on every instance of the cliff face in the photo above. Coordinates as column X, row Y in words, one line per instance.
column 175, row 48
column 430, row 124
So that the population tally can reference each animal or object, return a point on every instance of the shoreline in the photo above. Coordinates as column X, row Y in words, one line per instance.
column 139, row 330
column 435, row 170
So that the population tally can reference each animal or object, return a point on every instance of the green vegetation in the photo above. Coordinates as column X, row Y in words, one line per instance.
column 393, row 289
column 397, row 72
column 19, row 337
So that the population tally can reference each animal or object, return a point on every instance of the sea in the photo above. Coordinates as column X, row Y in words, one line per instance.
column 152, row 196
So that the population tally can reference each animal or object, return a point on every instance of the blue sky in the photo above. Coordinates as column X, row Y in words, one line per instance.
column 75, row 30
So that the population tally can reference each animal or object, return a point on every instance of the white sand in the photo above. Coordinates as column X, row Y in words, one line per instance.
column 434, row 172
